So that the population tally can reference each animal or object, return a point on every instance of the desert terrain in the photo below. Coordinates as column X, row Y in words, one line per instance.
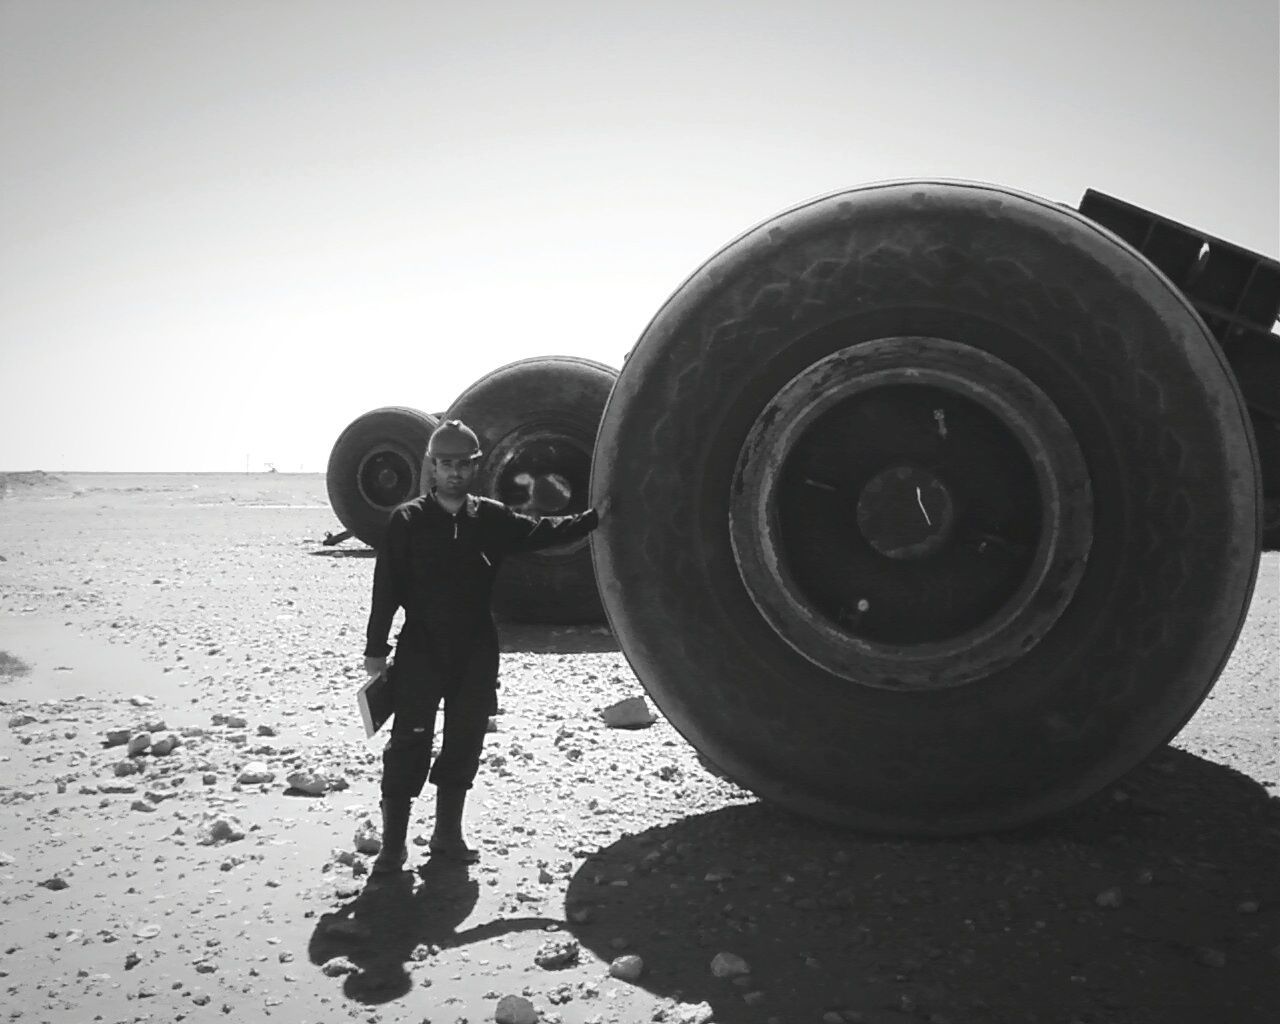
column 220, row 869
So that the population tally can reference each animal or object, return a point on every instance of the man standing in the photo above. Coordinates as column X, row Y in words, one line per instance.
column 438, row 561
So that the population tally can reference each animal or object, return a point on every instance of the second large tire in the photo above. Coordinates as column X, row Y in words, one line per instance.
column 375, row 464
column 936, row 508
column 537, row 420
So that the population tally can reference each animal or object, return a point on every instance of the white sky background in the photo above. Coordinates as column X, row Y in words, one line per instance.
column 229, row 227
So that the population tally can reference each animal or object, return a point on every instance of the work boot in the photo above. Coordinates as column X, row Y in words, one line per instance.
column 446, row 837
column 395, row 825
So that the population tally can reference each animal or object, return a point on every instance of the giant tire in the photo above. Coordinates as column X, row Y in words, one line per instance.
column 375, row 464
column 539, row 417
column 1101, row 540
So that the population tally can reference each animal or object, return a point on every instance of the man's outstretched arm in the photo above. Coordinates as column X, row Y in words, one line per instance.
column 524, row 533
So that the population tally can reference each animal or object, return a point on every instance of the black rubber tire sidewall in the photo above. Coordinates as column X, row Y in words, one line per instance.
column 1157, row 414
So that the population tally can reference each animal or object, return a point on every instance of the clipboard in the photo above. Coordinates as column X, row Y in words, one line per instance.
column 374, row 700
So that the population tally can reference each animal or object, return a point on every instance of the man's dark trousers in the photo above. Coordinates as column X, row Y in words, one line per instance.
column 426, row 673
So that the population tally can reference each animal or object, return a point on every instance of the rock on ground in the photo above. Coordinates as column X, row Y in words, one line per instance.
column 515, row 1010
column 632, row 713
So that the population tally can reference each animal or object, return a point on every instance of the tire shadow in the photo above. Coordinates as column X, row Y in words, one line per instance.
column 1156, row 901
column 362, row 552
column 401, row 921
column 530, row 638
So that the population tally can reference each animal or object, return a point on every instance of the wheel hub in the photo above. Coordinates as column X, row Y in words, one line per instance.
column 385, row 478
column 905, row 512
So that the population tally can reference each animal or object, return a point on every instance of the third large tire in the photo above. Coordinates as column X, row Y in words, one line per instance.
column 375, row 464
column 936, row 508
column 537, row 421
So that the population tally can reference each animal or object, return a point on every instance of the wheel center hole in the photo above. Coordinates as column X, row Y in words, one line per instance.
column 905, row 512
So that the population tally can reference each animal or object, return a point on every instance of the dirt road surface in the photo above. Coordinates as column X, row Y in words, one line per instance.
column 193, row 882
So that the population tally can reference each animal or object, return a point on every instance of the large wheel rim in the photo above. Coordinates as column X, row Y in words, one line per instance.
column 385, row 477
column 901, row 531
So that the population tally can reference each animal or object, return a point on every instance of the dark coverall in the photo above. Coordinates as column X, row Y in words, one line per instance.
column 440, row 568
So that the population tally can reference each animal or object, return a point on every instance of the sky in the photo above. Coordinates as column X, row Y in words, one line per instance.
column 230, row 227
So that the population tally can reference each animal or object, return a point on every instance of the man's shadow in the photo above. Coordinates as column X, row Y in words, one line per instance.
column 404, row 919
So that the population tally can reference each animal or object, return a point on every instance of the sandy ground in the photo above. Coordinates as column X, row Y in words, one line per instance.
column 158, row 887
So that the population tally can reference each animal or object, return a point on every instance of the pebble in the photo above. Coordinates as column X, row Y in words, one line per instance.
column 1110, row 898
column 138, row 743
column 627, row 968
column 632, row 713
column 115, row 737
column 515, row 1010
column 316, row 783
column 367, row 838
column 55, row 883
column 255, row 773
column 214, row 829
column 729, row 965
column 18, row 721
column 556, row 953
column 165, row 745
column 338, row 966
column 141, row 805
column 692, row 1013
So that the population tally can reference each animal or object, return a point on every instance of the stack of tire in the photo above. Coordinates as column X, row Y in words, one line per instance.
column 537, row 421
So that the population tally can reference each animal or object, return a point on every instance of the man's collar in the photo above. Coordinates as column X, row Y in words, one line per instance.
column 470, row 504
